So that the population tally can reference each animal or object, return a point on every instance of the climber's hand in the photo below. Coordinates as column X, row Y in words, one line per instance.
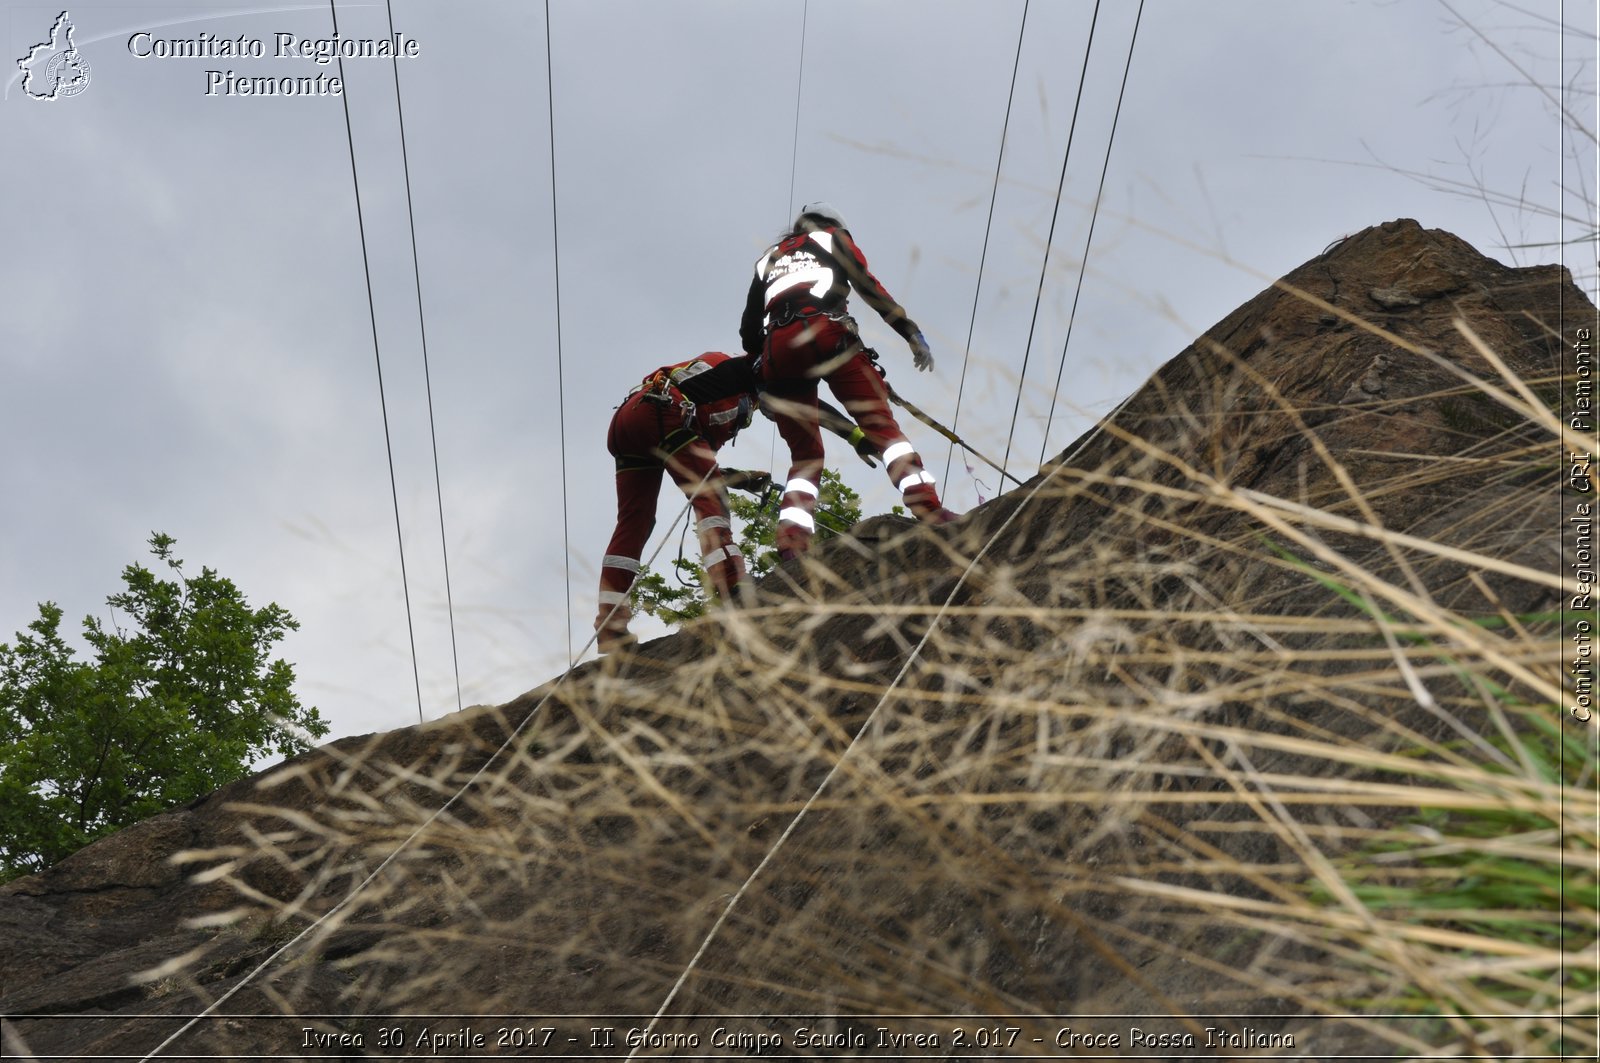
column 921, row 356
column 863, row 446
column 754, row 481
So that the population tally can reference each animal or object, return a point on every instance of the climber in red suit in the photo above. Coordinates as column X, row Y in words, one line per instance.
column 673, row 422
column 796, row 319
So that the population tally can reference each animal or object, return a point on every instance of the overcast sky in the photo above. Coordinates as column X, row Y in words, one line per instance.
column 185, row 339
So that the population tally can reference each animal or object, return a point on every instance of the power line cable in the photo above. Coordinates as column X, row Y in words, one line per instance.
column 794, row 165
column 561, row 394
column 1044, row 266
column 799, row 85
column 988, row 225
column 1094, row 214
column 372, row 313
column 427, row 376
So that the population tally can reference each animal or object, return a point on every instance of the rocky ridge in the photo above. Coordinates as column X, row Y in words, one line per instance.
column 1057, row 754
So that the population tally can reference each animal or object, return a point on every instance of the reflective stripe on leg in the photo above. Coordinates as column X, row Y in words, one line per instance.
column 895, row 451
column 798, row 517
column 721, row 554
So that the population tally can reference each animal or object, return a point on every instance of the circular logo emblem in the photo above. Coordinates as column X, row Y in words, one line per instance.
column 67, row 73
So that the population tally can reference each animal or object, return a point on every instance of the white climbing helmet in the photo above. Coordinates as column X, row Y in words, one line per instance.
column 822, row 211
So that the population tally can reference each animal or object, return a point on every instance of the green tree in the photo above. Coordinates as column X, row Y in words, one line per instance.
column 838, row 508
column 180, row 698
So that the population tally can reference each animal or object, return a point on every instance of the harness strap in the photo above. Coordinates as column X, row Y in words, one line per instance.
column 675, row 441
column 635, row 463
column 678, row 439
column 789, row 312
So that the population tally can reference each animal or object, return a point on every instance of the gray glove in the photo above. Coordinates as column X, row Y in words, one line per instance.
column 921, row 357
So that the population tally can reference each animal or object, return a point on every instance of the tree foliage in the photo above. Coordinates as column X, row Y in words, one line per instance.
column 181, row 697
column 838, row 507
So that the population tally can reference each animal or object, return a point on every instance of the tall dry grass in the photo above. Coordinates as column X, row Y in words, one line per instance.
column 1151, row 742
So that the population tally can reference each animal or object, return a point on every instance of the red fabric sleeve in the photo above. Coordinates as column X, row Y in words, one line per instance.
column 869, row 287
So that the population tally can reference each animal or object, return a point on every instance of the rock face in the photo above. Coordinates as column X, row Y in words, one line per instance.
column 1088, row 751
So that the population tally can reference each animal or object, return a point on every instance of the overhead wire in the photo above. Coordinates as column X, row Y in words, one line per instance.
column 427, row 375
column 988, row 225
column 799, row 85
column 794, row 163
column 1044, row 266
column 561, row 391
column 1094, row 214
column 383, row 404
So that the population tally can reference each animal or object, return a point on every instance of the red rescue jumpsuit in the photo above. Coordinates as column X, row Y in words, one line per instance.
column 796, row 319
column 660, row 429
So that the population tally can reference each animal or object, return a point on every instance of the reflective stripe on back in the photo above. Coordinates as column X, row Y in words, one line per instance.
column 819, row 277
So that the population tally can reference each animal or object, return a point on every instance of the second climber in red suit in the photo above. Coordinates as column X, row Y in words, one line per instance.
column 674, row 422
column 796, row 319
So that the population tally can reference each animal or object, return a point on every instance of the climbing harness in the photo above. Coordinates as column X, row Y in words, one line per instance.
column 676, row 413
column 789, row 312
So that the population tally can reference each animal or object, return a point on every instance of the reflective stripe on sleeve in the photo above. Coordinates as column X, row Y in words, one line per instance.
column 915, row 479
column 795, row 515
column 708, row 523
column 627, row 564
column 613, row 597
column 895, row 451
column 800, row 487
